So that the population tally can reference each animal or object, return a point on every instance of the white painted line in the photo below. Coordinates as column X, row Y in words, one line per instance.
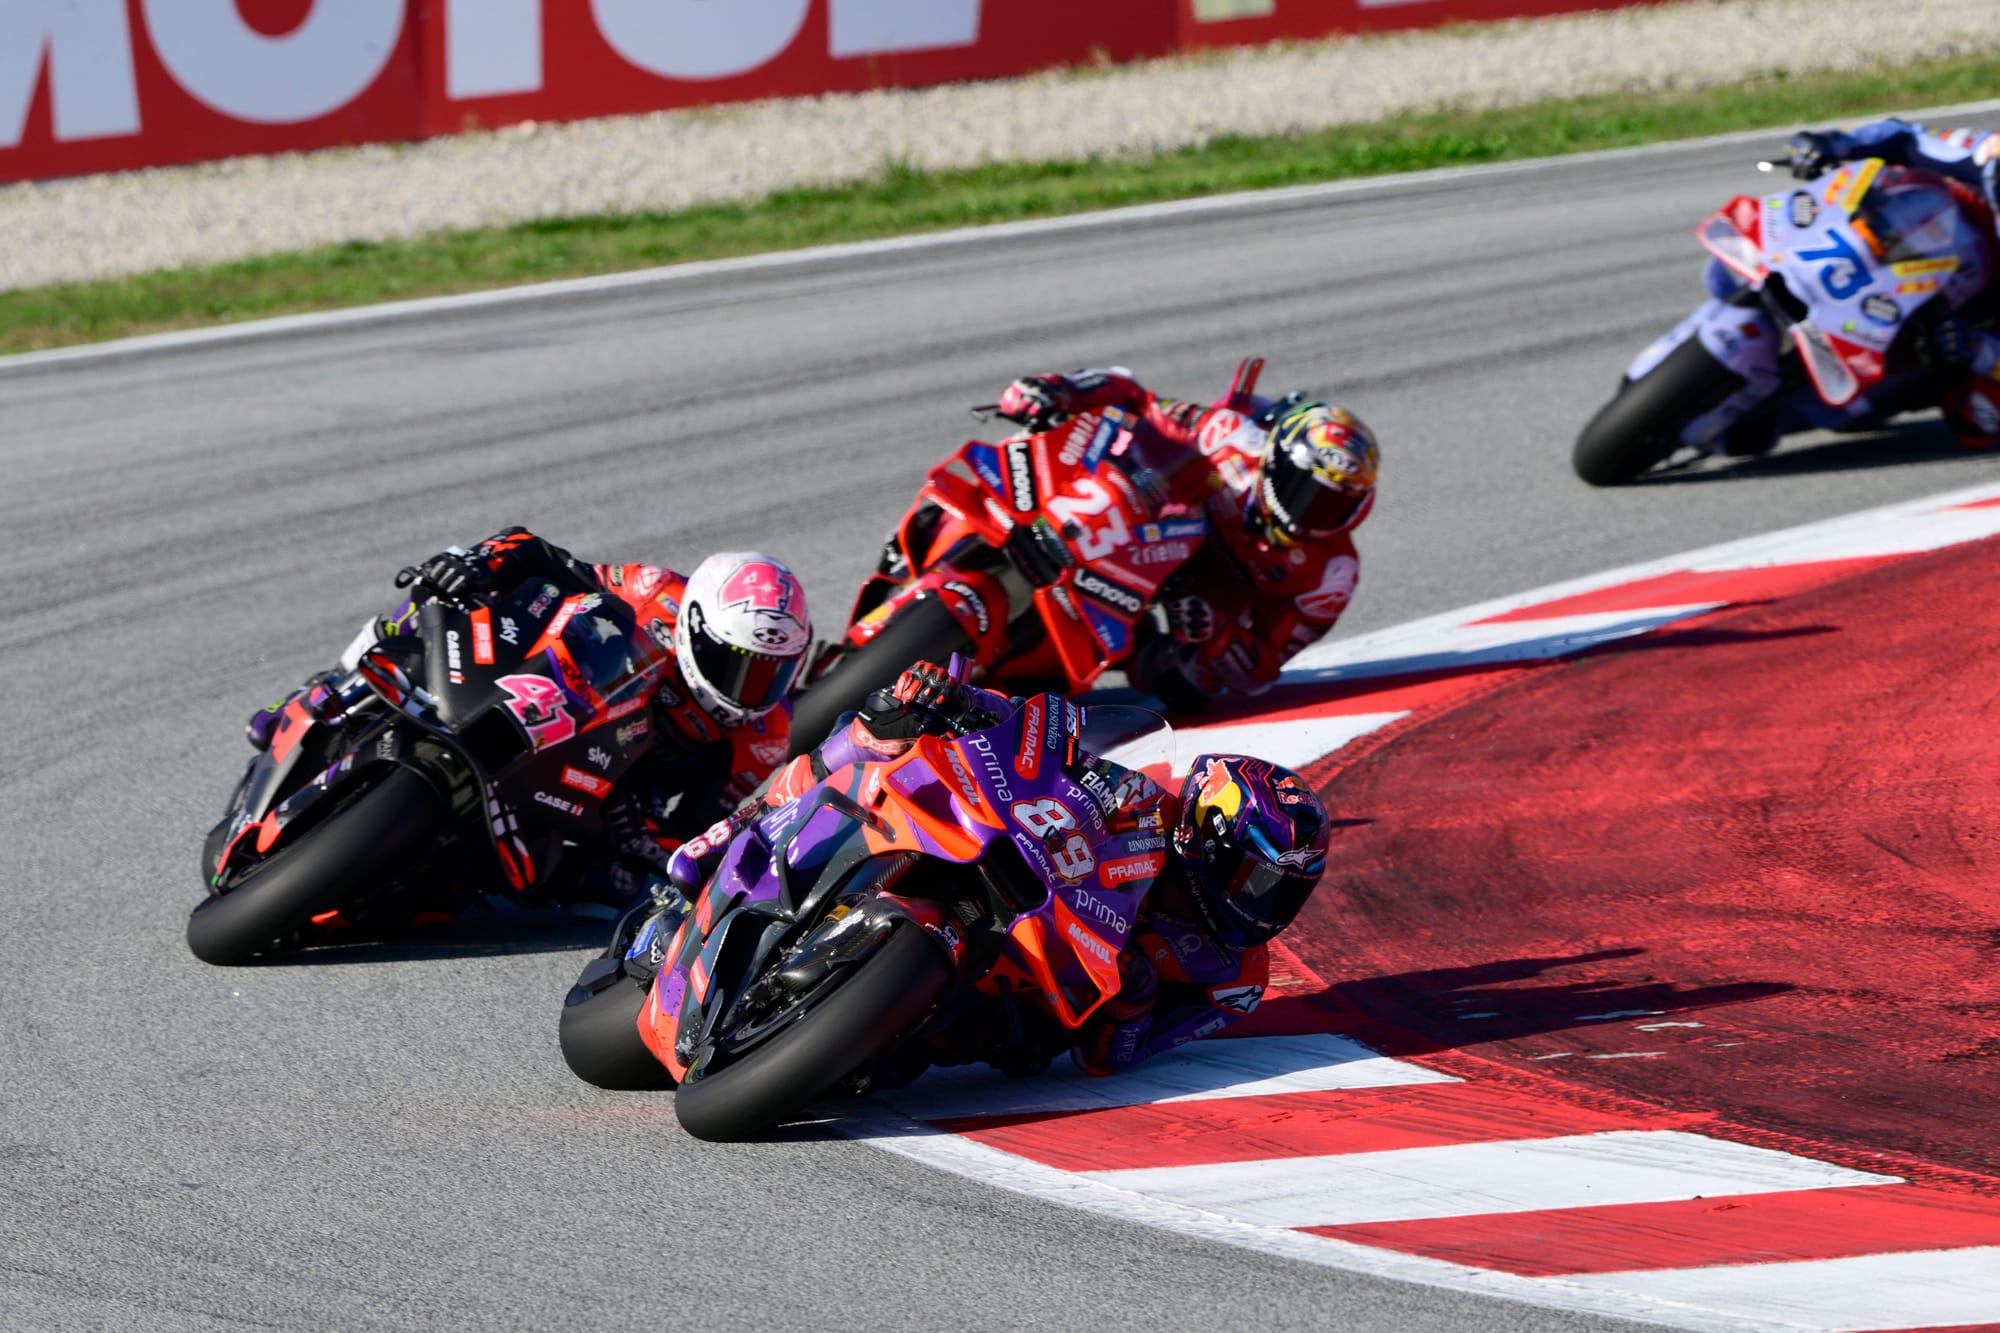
column 1912, row 535
column 1001, row 1170
column 1202, row 1071
column 1468, row 1179
column 1293, row 743
column 1457, row 644
column 1433, row 637
column 1119, row 217
column 1875, row 1291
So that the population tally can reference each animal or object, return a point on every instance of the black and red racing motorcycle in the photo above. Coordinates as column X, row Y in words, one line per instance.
column 472, row 752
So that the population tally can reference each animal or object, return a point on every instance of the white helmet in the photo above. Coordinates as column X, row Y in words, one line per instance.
column 741, row 635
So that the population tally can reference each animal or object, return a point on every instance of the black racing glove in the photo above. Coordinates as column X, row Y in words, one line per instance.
column 1942, row 343
column 1190, row 618
column 453, row 577
column 1812, row 152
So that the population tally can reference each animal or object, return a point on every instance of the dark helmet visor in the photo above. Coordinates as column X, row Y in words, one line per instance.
column 752, row 681
column 1299, row 504
column 1252, row 896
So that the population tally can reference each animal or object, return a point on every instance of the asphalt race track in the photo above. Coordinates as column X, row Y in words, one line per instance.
column 385, row 1137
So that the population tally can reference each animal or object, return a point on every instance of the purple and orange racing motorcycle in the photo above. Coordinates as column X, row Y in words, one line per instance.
column 982, row 882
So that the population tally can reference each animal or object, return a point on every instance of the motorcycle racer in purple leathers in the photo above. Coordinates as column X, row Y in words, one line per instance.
column 1247, row 848
column 1959, row 346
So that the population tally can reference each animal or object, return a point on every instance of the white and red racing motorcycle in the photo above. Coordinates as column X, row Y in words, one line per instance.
column 1819, row 301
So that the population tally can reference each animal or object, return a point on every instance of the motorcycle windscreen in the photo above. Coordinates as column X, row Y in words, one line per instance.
column 1840, row 370
column 1734, row 235
column 1139, row 741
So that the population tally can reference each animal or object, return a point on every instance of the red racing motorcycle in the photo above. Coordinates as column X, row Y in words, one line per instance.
column 1034, row 558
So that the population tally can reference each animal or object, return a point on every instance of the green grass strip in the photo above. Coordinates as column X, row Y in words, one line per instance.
column 903, row 201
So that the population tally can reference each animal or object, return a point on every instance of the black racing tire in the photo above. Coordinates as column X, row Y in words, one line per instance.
column 1641, row 427
column 885, row 996
column 601, row 1044
column 318, row 872
column 924, row 631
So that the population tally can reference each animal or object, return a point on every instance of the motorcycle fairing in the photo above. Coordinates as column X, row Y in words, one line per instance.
column 979, row 799
column 1857, row 301
column 1106, row 547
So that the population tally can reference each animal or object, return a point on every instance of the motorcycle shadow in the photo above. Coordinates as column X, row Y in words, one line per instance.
column 1441, row 1009
column 1902, row 444
column 470, row 935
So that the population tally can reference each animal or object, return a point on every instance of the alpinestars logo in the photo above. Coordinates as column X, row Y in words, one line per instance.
column 1111, row 594
column 1021, row 477
column 1236, row 999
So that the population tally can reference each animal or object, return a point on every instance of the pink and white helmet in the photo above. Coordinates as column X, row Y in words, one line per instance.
column 741, row 635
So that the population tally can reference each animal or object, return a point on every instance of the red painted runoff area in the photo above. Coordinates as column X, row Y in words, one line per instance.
column 1793, row 1226
column 1309, row 1124
column 1748, row 864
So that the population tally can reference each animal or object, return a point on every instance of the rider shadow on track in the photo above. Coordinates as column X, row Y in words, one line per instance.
column 472, row 934
column 1440, row 1009
column 1904, row 444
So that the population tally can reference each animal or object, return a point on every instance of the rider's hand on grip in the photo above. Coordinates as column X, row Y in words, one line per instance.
column 930, row 687
column 1811, row 154
column 452, row 576
column 1190, row 619
column 1942, row 342
column 1035, row 401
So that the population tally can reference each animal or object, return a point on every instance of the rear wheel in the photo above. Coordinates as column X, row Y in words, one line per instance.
column 881, row 999
column 924, row 631
column 321, row 870
column 1642, row 426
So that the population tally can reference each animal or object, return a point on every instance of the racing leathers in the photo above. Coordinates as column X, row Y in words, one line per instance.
column 1243, row 605
column 1961, row 348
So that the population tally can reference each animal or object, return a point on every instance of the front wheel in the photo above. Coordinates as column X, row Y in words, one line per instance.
column 321, row 870
column 1642, row 426
column 601, row 1044
column 884, row 997
column 925, row 631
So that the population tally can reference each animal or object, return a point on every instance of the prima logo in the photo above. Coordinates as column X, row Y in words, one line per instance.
column 1089, row 904
column 996, row 771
